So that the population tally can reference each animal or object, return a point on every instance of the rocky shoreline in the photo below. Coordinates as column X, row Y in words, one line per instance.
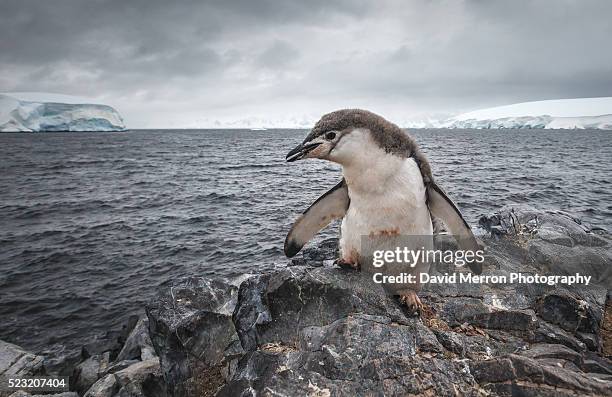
column 313, row 329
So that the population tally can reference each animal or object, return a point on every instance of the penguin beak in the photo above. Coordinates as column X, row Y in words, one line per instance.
column 300, row 151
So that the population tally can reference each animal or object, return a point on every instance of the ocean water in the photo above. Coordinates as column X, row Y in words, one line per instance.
column 91, row 224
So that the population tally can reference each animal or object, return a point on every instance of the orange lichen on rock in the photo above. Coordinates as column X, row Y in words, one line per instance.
column 606, row 328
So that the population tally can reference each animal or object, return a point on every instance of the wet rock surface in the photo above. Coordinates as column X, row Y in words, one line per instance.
column 312, row 329
column 124, row 364
column 551, row 241
column 130, row 368
column 192, row 329
column 18, row 362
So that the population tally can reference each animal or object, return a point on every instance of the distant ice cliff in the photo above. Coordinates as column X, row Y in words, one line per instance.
column 580, row 113
column 548, row 122
column 37, row 112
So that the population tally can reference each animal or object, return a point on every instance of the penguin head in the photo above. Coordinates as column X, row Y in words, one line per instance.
column 349, row 134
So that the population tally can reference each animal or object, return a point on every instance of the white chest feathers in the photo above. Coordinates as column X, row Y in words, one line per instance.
column 387, row 198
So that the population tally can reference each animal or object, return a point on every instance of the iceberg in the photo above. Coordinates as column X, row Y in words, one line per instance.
column 38, row 112
column 579, row 113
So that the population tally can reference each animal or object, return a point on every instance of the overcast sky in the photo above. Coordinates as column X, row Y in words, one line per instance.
column 191, row 63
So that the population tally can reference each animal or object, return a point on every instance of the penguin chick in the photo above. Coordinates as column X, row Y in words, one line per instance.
column 387, row 197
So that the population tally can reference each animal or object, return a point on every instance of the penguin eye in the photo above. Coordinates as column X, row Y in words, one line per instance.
column 330, row 135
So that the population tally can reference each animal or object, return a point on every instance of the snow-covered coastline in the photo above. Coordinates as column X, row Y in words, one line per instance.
column 579, row 113
column 603, row 122
column 39, row 112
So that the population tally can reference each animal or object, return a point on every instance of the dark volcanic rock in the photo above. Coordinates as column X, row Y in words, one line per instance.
column 16, row 361
column 515, row 375
column 542, row 351
column 98, row 372
column 474, row 311
column 552, row 334
column 357, row 355
column 118, row 366
column 191, row 326
column 325, row 253
column 134, row 372
column 426, row 340
column 569, row 312
column 138, row 344
column 597, row 364
column 87, row 372
column 300, row 297
column 112, row 342
column 105, row 387
column 252, row 311
column 606, row 332
column 141, row 379
column 314, row 329
column 551, row 240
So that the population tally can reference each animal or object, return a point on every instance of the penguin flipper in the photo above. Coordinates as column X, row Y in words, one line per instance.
column 442, row 207
column 332, row 205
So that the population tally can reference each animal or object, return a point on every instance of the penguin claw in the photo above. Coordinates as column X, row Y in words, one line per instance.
column 412, row 302
column 347, row 265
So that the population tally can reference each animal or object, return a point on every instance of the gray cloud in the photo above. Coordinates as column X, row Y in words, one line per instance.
column 278, row 55
column 176, row 64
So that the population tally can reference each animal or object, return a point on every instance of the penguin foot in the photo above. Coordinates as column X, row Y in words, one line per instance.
column 347, row 265
column 412, row 301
